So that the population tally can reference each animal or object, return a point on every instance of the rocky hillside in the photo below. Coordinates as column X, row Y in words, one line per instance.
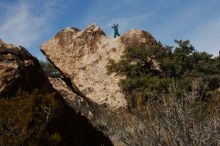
column 91, row 107
column 23, row 108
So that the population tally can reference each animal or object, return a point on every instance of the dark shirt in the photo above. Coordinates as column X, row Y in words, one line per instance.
column 115, row 27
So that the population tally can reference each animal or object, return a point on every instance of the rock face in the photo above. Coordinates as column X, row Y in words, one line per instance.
column 83, row 56
column 20, row 71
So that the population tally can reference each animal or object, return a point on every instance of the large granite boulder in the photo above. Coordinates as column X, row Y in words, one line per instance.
column 83, row 56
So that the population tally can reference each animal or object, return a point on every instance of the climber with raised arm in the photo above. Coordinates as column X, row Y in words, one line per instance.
column 116, row 33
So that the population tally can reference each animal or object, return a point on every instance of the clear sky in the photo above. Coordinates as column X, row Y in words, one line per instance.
column 31, row 22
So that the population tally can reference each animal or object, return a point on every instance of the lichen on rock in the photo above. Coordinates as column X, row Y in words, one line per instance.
column 83, row 55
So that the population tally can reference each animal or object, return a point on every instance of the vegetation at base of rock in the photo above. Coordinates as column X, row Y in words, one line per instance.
column 148, row 72
column 181, row 121
column 23, row 119
column 174, row 93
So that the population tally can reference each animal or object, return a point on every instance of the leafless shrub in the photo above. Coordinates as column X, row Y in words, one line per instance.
column 186, row 121
column 170, row 121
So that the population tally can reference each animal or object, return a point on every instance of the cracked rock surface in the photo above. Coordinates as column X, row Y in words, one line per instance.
column 83, row 56
column 20, row 71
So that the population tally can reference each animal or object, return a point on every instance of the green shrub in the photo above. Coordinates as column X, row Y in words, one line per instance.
column 152, row 70
column 23, row 119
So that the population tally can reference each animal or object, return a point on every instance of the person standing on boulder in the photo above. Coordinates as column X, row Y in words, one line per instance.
column 116, row 33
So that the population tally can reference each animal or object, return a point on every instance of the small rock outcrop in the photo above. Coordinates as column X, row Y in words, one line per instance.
column 20, row 71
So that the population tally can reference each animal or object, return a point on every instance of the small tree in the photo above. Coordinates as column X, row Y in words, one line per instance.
column 149, row 70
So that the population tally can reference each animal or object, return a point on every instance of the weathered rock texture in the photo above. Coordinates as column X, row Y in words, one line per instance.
column 19, row 72
column 83, row 56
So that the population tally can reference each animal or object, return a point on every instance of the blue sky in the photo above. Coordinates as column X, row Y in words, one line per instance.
column 31, row 22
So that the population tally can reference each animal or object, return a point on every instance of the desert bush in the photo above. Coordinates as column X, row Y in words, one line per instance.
column 168, row 120
column 174, row 94
column 187, row 121
column 23, row 119
column 150, row 70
